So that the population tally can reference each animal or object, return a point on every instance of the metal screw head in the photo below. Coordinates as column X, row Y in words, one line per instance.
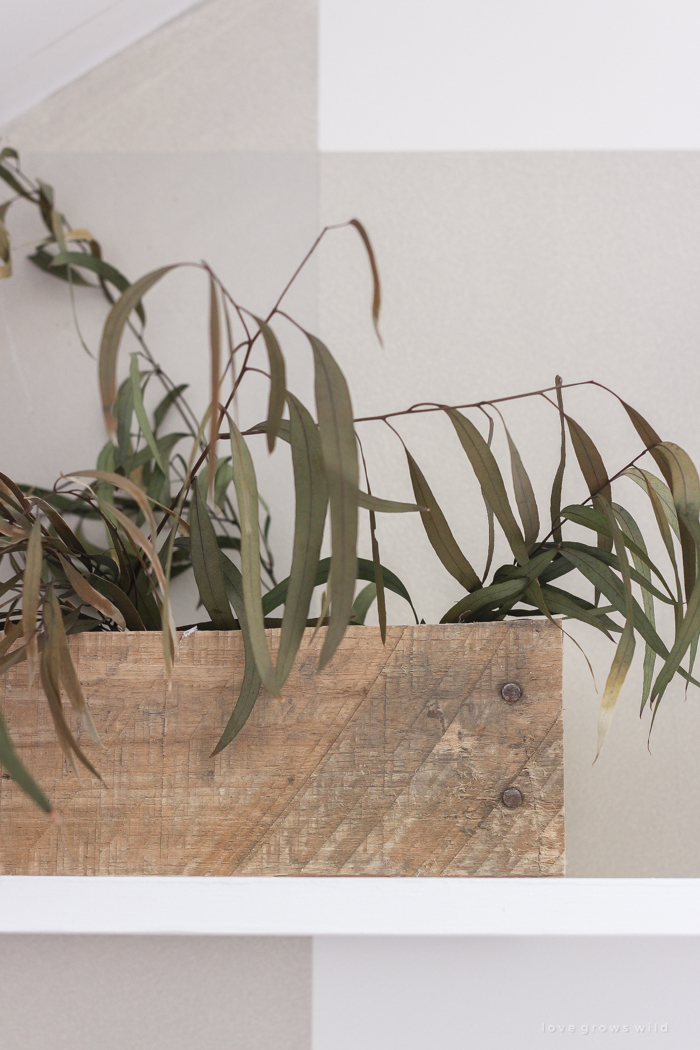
column 512, row 798
column 511, row 692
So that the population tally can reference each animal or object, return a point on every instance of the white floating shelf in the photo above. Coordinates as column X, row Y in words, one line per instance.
column 359, row 906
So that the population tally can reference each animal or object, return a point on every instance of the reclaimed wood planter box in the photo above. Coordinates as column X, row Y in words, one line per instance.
column 394, row 760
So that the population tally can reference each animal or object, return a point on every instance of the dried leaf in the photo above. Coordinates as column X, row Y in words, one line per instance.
column 127, row 485
column 68, row 674
column 615, row 680
column 50, row 668
column 376, row 284
column 84, row 589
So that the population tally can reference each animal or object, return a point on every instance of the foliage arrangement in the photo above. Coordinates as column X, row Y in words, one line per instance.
column 165, row 511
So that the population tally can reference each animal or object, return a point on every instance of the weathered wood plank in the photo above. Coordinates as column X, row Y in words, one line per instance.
column 392, row 761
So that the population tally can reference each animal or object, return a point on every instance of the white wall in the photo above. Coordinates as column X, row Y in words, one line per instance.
column 45, row 45
column 504, row 75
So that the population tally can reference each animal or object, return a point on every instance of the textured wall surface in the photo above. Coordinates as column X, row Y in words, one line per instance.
column 155, row 993
column 229, row 74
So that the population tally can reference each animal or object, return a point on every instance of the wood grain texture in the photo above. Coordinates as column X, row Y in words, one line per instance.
column 391, row 761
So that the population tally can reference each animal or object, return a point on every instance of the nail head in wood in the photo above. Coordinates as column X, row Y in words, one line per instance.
column 511, row 692
column 512, row 798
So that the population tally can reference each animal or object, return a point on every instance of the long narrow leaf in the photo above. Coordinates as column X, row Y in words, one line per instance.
column 247, row 495
column 67, row 672
column 111, row 340
column 336, row 428
column 630, row 528
column 250, row 687
column 311, row 491
column 206, row 564
column 489, row 477
column 30, row 596
column 278, row 383
column 438, row 531
column 215, row 378
column 141, row 416
column 365, row 571
column 87, row 593
column 385, row 506
column 376, row 284
column 378, row 577
column 524, row 494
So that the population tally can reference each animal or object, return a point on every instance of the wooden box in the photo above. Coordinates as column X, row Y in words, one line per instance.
column 391, row 761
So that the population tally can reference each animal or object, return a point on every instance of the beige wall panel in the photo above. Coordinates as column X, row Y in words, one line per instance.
column 501, row 270
column 155, row 993
column 228, row 75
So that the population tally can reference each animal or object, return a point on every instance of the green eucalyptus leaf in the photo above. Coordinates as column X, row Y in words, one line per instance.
column 278, row 382
column 311, row 489
column 524, row 494
column 252, row 682
column 438, row 531
column 363, row 603
column 337, row 431
column 164, row 406
column 247, row 495
column 485, row 597
column 489, row 477
column 365, row 571
column 100, row 267
column 206, row 563
column 141, row 416
column 112, row 336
